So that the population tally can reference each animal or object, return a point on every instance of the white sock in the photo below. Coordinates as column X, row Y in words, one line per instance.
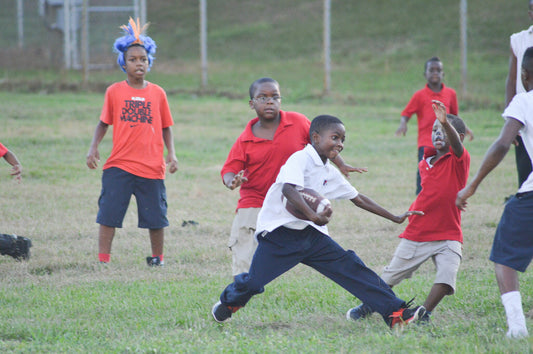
column 512, row 302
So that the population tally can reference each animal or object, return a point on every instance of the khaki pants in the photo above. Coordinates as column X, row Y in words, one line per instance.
column 242, row 241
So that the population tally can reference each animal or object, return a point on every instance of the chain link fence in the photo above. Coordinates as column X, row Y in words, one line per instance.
column 41, row 34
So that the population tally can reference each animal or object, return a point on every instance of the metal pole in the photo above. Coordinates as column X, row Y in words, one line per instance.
column 85, row 40
column 143, row 11
column 203, row 41
column 136, row 10
column 20, row 18
column 464, row 46
column 327, row 39
column 66, row 33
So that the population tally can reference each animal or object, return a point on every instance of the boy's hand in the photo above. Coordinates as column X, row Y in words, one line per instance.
column 401, row 218
column 324, row 216
column 463, row 195
column 402, row 129
column 470, row 134
column 440, row 110
column 16, row 172
column 237, row 180
column 93, row 157
column 346, row 169
column 172, row 163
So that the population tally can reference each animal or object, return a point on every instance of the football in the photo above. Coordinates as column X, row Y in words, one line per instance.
column 315, row 201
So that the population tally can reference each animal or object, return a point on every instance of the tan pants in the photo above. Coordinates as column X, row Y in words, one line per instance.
column 242, row 241
column 409, row 255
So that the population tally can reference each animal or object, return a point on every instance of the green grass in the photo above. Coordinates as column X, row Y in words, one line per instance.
column 63, row 301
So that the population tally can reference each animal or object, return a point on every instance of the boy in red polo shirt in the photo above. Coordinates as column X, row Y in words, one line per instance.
column 420, row 104
column 255, row 159
column 437, row 235
column 139, row 113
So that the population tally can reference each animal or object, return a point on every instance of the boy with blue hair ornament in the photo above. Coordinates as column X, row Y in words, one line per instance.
column 142, row 121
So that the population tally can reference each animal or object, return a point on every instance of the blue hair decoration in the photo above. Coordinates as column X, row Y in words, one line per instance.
column 133, row 37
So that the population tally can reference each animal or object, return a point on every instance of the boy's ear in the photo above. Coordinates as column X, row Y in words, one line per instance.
column 251, row 103
column 314, row 137
column 462, row 137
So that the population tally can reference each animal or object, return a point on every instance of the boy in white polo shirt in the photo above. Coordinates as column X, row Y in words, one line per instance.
column 284, row 240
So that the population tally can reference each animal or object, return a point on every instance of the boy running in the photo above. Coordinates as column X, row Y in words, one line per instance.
column 284, row 240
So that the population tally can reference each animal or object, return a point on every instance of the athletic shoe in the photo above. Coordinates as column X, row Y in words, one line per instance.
column 361, row 311
column 221, row 313
column 405, row 316
column 425, row 319
column 154, row 262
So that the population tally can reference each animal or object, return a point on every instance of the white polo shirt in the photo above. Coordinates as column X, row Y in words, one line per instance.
column 304, row 169
column 521, row 109
column 520, row 41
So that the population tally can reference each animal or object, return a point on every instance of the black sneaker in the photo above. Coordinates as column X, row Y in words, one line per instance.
column 221, row 313
column 425, row 319
column 154, row 262
column 405, row 316
column 359, row 312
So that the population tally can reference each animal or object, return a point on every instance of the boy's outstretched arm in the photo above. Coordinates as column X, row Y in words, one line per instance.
column 346, row 169
column 493, row 157
column 16, row 171
column 453, row 136
column 93, row 156
column 364, row 202
column 171, row 160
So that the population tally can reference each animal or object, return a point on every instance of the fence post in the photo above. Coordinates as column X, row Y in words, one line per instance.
column 203, row 41
column 464, row 46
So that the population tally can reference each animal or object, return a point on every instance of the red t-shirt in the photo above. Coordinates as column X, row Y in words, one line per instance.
column 440, row 185
column 3, row 150
column 420, row 104
column 261, row 159
column 138, row 117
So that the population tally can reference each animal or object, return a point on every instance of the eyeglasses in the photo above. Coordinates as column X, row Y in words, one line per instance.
column 265, row 99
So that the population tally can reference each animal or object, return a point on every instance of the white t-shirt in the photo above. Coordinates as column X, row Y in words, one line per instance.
column 520, row 41
column 521, row 109
column 304, row 169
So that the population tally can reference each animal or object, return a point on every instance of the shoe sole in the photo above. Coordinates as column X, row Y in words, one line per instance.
column 213, row 313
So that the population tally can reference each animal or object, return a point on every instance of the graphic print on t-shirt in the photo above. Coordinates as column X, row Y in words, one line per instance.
column 136, row 110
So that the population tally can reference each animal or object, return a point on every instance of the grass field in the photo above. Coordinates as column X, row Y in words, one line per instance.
column 62, row 300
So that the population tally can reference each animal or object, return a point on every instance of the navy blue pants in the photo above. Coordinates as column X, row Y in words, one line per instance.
column 283, row 248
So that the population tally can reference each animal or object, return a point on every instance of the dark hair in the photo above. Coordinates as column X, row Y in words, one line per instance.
column 457, row 123
column 527, row 60
column 321, row 123
column 258, row 82
column 431, row 60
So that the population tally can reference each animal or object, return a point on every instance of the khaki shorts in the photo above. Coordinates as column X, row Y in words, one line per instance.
column 242, row 241
column 409, row 255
